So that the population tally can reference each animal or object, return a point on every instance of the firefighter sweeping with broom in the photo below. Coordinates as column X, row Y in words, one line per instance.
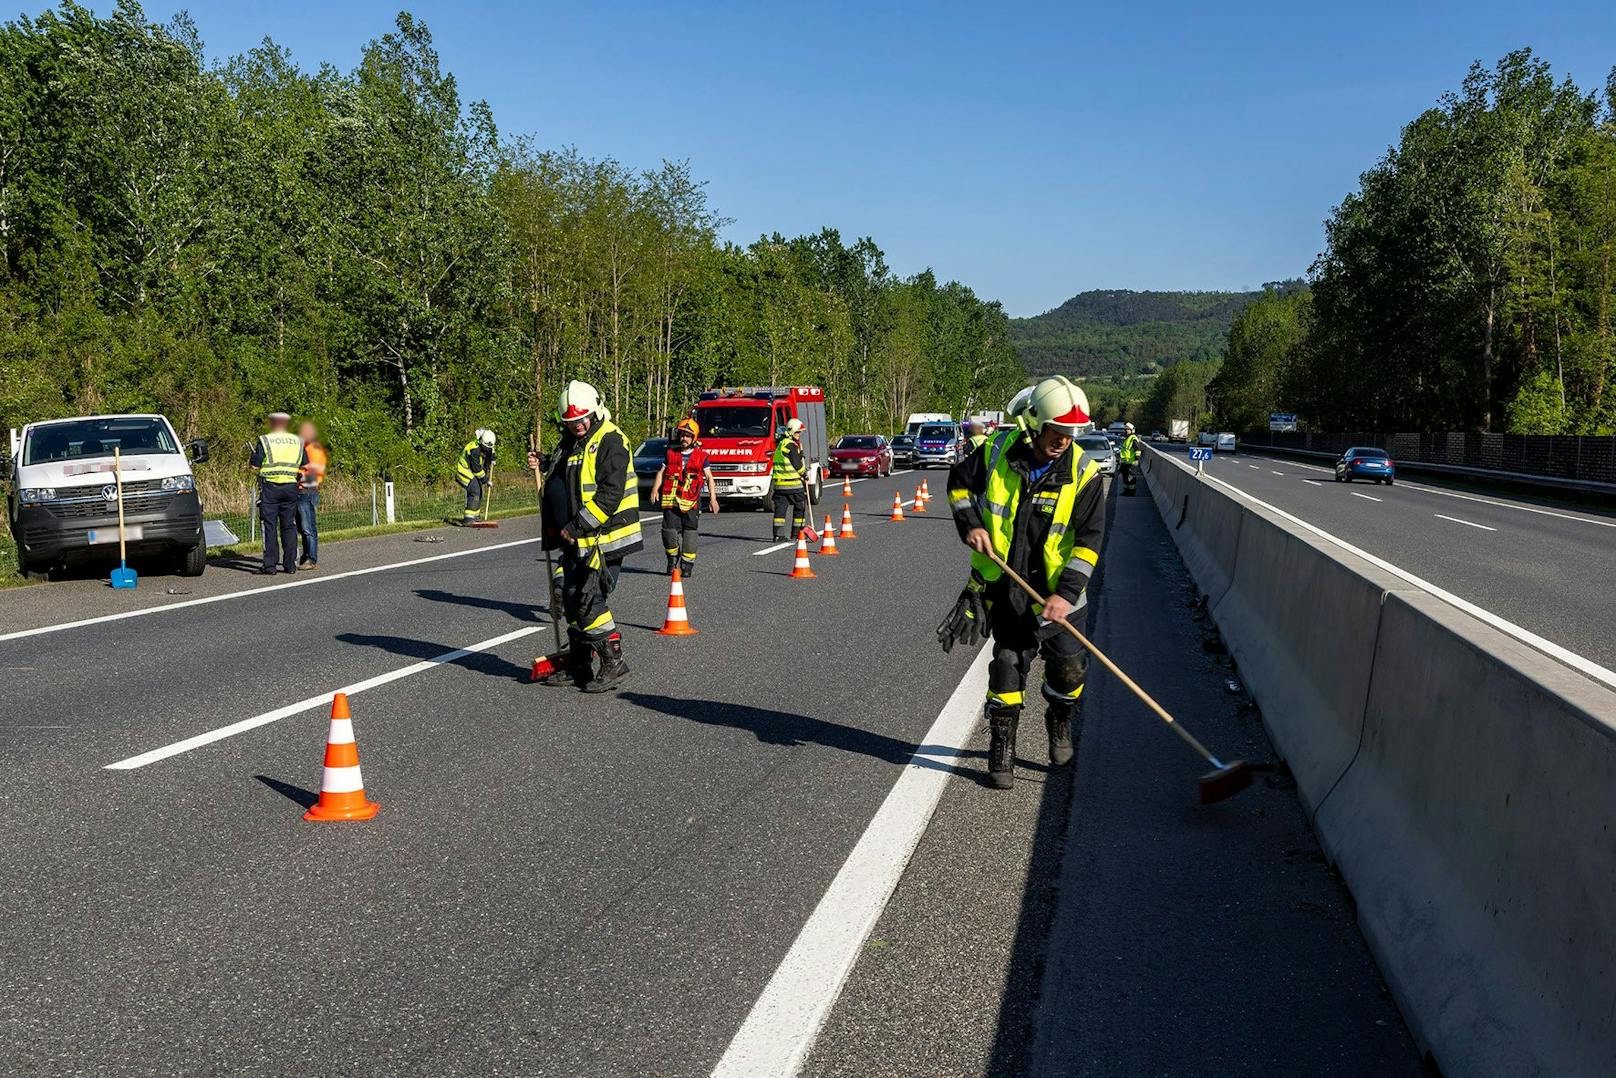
column 1027, row 498
column 592, row 517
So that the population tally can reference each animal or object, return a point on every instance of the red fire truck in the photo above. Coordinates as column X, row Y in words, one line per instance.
column 738, row 430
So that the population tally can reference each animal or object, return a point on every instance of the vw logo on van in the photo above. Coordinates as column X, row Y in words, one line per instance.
column 109, row 492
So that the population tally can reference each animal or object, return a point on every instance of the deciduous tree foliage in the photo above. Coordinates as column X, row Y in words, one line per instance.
column 216, row 242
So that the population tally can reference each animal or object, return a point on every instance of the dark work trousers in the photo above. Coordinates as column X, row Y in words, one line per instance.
column 277, row 508
column 1017, row 639
column 474, row 499
column 586, row 585
column 679, row 534
column 1127, row 468
column 790, row 506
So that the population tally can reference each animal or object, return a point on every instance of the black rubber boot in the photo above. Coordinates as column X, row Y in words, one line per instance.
column 1058, row 724
column 612, row 667
column 1002, row 748
column 578, row 668
column 687, row 569
column 673, row 563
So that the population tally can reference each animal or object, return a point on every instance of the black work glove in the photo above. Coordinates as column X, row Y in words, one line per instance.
column 968, row 621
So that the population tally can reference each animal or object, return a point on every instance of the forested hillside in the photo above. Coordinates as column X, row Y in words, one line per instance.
column 1469, row 283
column 1118, row 332
column 216, row 241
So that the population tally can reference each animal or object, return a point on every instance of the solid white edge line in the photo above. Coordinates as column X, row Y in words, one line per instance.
column 1466, row 523
column 249, row 592
column 279, row 713
column 780, row 1029
column 1525, row 636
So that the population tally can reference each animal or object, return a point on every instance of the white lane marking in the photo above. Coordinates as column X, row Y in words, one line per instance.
column 249, row 592
column 1254, row 468
column 313, row 702
column 1313, row 482
column 1508, row 505
column 1467, row 523
column 1525, row 636
column 1365, row 497
column 781, row 1027
column 1276, row 473
column 772, row 549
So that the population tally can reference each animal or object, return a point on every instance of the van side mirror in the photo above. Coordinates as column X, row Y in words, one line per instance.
column 199, row 450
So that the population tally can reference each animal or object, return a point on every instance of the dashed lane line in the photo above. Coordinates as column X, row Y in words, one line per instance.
column 1466, row 523
column 1526, row 636
column 312, row 702
column 780, row 1029
column 302, row 582
column 772, row 549
column 1313, row 482
column 1365, row 497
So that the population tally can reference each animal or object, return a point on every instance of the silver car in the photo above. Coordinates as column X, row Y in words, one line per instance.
column 1097, row 447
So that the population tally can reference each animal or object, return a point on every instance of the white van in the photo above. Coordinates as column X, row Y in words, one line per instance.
column 925, row 419
column 63, row 502
column 1227, row 443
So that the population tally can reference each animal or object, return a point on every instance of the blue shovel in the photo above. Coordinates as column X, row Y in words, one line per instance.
column 122, row 576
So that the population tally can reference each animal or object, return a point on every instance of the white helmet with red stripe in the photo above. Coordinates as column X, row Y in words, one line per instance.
column 1057, row 402
column 579, row 400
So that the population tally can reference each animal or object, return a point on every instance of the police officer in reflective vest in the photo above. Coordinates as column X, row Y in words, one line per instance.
column 474, row 471
column 975, row 435
column 1032, row 499
column 592, row 516
column 278, row 459
column 790, row 482
column 1128, row 455
column 678, row 484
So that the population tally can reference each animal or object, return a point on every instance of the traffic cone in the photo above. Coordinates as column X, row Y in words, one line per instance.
column 897, row 506
column 678, row 622
column 920, row 501
column 342, row 791
column 800, row 569
column 847, row 522
column 847, row 486
column 925, row 490
column 827, row 545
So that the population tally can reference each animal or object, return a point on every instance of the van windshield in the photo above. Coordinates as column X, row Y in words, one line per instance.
column 942, row 433
column 734, row 420
column 88, row 439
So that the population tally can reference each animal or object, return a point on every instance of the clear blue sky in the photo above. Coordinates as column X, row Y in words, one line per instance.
column 1031, row 151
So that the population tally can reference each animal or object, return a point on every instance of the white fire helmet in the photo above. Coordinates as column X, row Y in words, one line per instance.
column 1057, row 402
column 579, row 400
column 486, row 438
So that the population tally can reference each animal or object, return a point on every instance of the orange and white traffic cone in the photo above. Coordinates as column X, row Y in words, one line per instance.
column 800, row 569
column 847, row 486
column 920, row 501
column 925, row 490
column 897, row 506
column 847, row 522
column 827, row 544
column 342, row 791
column 677, row 622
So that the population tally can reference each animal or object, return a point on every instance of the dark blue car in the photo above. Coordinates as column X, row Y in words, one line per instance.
column 1364, row 462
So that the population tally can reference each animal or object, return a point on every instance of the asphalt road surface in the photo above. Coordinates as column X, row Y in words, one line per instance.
column 1542, row 566
column 558, row 883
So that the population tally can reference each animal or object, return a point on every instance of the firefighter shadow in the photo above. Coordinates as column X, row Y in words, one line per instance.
column 519, row 611
column 483, row 662
column 789, row 730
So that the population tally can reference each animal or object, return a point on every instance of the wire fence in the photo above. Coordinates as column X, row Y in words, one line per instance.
column 344, row 504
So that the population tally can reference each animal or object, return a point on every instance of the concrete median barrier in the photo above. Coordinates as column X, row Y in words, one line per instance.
column 1477, row 830
column 1464, row 784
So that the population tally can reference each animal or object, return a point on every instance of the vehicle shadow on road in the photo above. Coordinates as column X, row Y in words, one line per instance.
column 484, row 662
column 790, row 730
column 519, row 611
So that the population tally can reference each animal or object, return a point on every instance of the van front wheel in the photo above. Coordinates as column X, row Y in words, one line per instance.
column 194, row 562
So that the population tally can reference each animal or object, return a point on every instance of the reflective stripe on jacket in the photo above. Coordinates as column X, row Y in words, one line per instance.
column 282, row 457
column 470, row 464
column 613, row 531
column 787, row 474
column 682, row 479
column 1001, row 501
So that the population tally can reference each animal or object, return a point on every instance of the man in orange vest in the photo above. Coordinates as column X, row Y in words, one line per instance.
column 678, row 484
column 308, row 495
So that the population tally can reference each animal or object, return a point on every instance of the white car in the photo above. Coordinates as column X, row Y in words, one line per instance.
column 1098, row 447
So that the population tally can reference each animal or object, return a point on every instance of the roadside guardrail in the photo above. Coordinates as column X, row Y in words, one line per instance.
column 1463, row 783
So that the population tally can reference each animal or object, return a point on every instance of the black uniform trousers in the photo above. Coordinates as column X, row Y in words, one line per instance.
column 1018, row 638
column 277, row 508
column 679, row 533
column 587, row 582
column 790, row 506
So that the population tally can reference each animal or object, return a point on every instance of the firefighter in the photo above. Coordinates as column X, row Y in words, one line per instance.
column 790, row 483
column 474, row 471
column 592, row 516
column 1128, row 455
column 1033, row 500
column 679, row 484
